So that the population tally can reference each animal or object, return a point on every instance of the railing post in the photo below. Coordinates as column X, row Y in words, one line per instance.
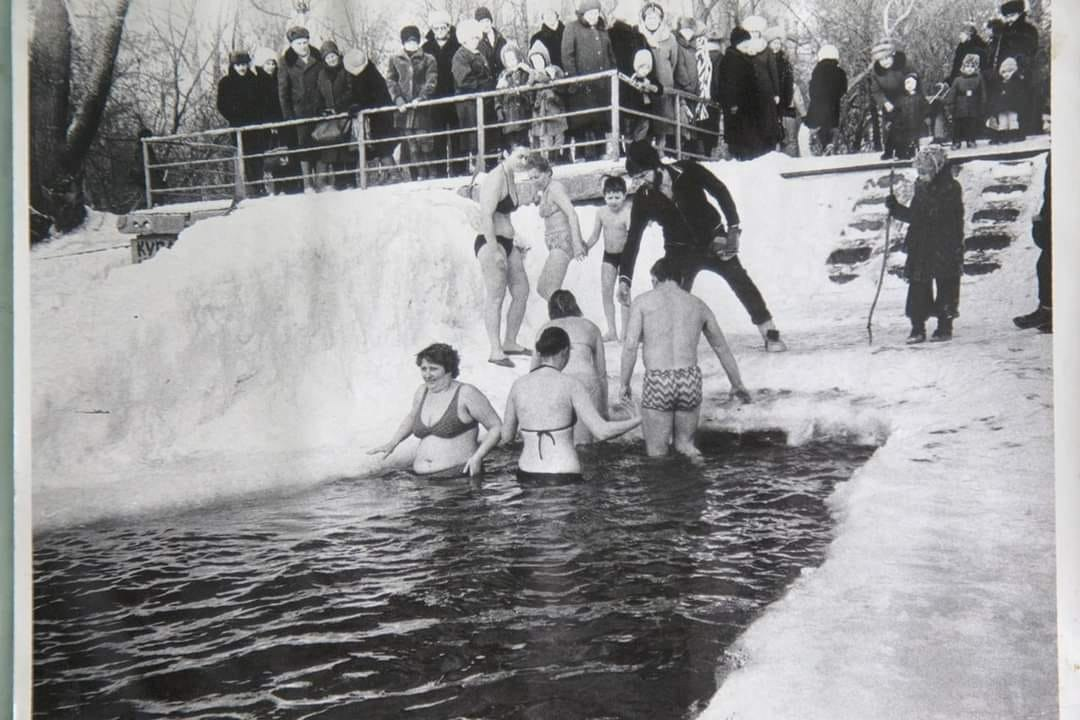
column 146, row 174
column 361, row 142
column 241, row 182
column 678, row 126
column 613, row 136
column 481, row 150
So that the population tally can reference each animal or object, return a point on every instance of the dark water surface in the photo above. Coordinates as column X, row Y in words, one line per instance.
column 397, row 597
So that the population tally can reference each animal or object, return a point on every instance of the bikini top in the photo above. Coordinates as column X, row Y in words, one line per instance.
column 448, row 426
column 549, row 433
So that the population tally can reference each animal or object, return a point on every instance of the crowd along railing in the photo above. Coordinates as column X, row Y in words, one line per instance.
column 236, row 159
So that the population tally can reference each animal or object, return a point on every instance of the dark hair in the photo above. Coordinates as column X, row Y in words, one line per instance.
column 514, row 142
column 552, row 342
column 443, row 355
column 664, row 269
column 536, row 161
column 562, row 303
column 614, row 183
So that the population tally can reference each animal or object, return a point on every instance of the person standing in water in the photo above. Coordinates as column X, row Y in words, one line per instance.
column 545, row 405
column 587, row 361
column 670, row 322
column 444, row 415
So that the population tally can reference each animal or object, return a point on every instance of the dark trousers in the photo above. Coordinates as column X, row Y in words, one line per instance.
column 966, row 129
column 690, row 263
column 1044, row 270
column 921, row 302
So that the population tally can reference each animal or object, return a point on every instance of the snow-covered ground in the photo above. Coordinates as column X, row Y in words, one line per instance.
column 273, row 346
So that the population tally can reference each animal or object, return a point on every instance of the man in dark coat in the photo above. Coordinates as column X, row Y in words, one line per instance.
column 491, row 40
column 970, row 44
column 586, row 48
column 472, row 74
column 238, row 103
column 750, row 129
column 828, row 85
column 298, row 91
column 1017, row 38
column 369, row 91
column 441, row 43
column 550, row 33
column 676, row 197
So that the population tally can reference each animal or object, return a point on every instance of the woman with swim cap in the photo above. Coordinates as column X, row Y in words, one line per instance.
column 501, row 260
column 545, row 405
column 444, row 415
column 587, row 362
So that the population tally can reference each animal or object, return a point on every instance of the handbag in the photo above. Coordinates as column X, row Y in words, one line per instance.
column 332, row 131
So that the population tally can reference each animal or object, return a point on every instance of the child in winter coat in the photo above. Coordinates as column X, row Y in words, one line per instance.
column 411, row 78
column 909, row 121
column 967, row 99
column 935, row 244
column 547, row 132
column 515, row 106
column 643, row 95
column 1007, row 100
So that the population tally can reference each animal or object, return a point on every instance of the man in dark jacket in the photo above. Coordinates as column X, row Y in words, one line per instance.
column 586, row 49
column 369, row 91
column 750, row 120
column 441, row 43
column 298, row 92
column 674, row 196
column 550, row 33
column 238, row 103
column 491, row 40
column 828, row 85
column 1015, row 37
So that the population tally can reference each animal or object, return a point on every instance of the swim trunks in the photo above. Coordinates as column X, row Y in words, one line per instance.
column 669, row 390
column 506, row 243
column 613, row 258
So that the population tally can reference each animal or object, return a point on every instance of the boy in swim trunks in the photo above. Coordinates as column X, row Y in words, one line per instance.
column 669, row 322
column 613, row 219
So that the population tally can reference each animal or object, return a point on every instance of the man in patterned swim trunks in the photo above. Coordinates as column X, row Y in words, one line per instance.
column 669, row 322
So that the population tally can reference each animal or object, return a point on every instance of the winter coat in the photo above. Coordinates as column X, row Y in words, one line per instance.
column 967, row 96
column 665, row 52
column 975, row 46
column 631, row 98
column 745, row 92
column 411, row 78
column 552, row 40
column 547, row 101
column 1008, row 96
column 686, row 76
column 471, row 74
column 513, row 106
column 369, row 91
column 587, row 50
column 1019, row 40
column 492, row 51
column 935, row 236
column 785, row 75
column 888, row 84
column 828, row 84
column 626, row 40
column 335, row 90
column 268, row 102
column 910, row 115
column 298, row 85
column 443, row 115
column 238, row 98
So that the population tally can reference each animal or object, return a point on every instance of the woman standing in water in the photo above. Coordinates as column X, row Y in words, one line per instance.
column 562, row 230
column 548, row 403
column 587, row 362
column 444, row 416
column 501, row 261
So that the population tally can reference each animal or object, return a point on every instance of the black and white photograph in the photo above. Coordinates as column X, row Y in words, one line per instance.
column 544, row 359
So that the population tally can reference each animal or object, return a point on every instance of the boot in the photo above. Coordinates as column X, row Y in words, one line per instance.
column 917, row 335
column 1041, row 316
column 773, row 343
column 943, row 331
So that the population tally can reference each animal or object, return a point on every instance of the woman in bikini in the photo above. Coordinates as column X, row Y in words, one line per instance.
column 547, row 404
column 562, row 230
column 501, row 260
column 445, row 414
column 587, row 362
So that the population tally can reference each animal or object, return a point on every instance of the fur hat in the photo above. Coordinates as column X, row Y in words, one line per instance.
column 296, row 32
column 1009, row 63
column 641, row 156
column 439, row 17
column 410, row 32
column 329, row 48
column 775, row 33
column 931, row 157
column 585, row 6
column 482, row 13
column 828, row 52
column 261, row 54
column 882, row 50
column 738, row 35
column 755, row 23
column 355, row 61
column 239, row 57
column 1013, row 7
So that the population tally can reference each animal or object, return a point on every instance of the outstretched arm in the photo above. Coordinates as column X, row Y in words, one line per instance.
column 594, row 236
column 479, row 408
column 602, row 429
column 404, row 429
column 510, row 421
column 630, row 350
column 601, row 369
column 715, row 187
column 723, row 353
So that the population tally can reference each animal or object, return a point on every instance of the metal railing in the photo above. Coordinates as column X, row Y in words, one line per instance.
column 216, row 164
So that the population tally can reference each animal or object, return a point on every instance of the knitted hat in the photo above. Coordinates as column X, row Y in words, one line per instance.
column 882, row 50
column 1009, row 64
column 355, row 61
column 971, row 59
column 913, row 76
column 641, row 56
column 585, row 6
column 329, row 48
column 651, row 6
column 296, row 32
column 439, row 17
column 410, row 32
column 775, row 33
column 261, row 54
column 755, row 23
column 738, row 35
column 1013, row 7
column 482, row 13
column 239, row 57
column 828, row 52
column 932, row 157
column 641, row 156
